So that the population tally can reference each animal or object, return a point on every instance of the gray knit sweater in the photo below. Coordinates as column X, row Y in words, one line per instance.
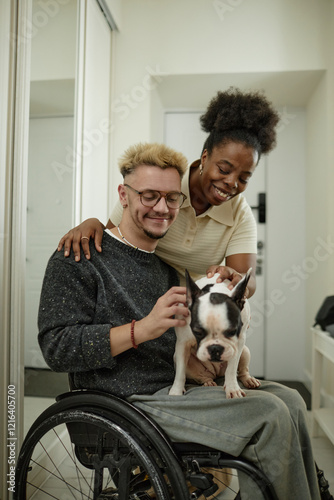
column 79, row 304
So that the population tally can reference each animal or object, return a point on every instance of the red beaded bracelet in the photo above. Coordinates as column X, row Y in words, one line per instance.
column 133, row 334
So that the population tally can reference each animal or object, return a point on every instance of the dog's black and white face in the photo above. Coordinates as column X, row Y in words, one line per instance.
column 216, row 318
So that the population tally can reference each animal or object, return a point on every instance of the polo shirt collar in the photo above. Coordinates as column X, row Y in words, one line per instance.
column 221, row 213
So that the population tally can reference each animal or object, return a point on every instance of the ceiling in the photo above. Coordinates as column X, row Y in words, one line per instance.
column 182, row 92
column 289, row 88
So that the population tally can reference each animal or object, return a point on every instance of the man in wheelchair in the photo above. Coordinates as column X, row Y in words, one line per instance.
column 109, row 321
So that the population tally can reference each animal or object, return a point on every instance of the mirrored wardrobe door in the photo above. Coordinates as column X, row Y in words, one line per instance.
column 69, row 143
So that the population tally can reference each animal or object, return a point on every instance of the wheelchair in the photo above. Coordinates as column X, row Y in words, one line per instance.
column 93, row 445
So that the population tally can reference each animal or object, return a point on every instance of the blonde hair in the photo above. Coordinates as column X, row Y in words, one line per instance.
column 157, row 155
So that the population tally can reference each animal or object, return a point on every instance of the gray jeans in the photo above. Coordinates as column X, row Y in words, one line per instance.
column 268, row 427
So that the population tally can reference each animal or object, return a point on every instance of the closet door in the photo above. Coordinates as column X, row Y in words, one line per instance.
column 50, row 170
column 93, row 113
column 69, row 136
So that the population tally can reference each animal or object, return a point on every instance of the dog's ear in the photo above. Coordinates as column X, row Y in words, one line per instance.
column 238, row 293
column 193, row 291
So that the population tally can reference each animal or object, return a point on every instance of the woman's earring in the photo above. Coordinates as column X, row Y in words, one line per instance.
column 200, row 169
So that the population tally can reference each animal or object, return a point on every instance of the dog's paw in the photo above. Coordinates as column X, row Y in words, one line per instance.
column 249, row 381
column 176, row 391
column 234, row 392
column 210, row 383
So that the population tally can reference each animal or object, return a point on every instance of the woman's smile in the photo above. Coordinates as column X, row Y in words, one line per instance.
column 223, row 195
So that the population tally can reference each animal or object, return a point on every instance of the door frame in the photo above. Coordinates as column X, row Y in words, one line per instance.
column 14, row 105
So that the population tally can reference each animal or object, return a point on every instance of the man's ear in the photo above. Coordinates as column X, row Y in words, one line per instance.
column 193, row 291
column 238, row 293
column 123, row 195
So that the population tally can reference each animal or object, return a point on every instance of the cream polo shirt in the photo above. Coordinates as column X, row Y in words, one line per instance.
column 196, row 242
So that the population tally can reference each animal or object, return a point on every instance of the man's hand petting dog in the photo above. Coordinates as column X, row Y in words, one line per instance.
column 170, row 311
column 212, row 343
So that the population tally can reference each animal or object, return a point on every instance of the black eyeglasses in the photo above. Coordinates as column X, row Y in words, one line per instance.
column 150, row 198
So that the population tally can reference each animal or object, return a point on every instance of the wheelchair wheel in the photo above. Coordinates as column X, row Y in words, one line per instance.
column 77, row 454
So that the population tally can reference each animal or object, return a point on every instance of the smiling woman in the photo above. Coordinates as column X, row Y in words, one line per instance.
column 241, row 126
column 225, row 172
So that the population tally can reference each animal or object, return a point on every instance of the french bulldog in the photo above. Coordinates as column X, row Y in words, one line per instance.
column 212, row 344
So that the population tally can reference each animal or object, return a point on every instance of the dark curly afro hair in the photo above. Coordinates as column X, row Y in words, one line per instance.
column 248, row 118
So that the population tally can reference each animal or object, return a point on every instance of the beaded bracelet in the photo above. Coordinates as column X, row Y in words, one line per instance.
column 133, row 334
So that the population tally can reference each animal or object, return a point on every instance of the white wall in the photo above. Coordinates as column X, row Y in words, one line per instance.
column 320, row 182
column 284, row 308
column 191, row 38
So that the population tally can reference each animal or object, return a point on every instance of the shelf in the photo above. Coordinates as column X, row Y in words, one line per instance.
column 324, row 344
column 323, row 418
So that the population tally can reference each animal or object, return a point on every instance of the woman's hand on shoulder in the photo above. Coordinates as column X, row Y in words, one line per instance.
column 80, row 236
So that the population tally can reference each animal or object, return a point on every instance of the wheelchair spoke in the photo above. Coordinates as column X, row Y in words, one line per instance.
column 58, row 477
column 53, row 470
column 70, row 455
column 48, row 494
